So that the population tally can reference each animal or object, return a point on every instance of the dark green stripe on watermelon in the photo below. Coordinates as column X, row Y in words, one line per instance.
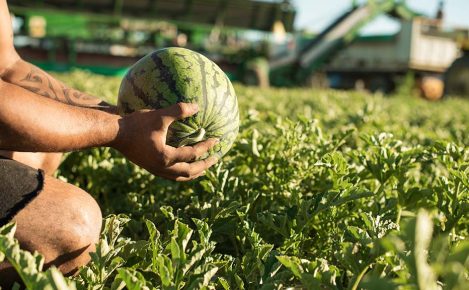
column 137, row 90
column 166, row 76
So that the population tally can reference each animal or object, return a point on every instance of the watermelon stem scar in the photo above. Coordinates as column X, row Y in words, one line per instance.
column 193, row 138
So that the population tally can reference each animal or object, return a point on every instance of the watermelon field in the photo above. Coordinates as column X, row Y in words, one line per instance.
column 322, row 189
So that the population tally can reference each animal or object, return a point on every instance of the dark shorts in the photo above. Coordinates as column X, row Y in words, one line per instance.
column 19, row 184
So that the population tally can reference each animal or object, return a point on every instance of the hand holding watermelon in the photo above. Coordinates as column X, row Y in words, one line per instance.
column 194, row 104
column 178, row 75
column 142, row 139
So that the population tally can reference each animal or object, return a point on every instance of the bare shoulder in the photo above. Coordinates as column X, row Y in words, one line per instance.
column 7, row 51
column 6, row 33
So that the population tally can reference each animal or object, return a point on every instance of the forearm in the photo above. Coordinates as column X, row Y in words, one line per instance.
column 29, row 122
column 33, row 79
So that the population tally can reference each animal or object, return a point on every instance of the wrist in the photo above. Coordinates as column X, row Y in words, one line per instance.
column 113, row 131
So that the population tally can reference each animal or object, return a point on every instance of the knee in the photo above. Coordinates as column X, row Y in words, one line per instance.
column 84, row 224
column 77, row 238
column 62, row 223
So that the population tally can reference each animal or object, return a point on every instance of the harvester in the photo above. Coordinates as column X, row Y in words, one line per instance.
column 106, row 36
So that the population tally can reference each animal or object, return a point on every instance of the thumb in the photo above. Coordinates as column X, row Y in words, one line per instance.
column 178, row 111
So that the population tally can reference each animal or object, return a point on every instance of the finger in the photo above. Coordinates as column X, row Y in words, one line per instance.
column 191, row 153
column 177, row 111
column 179, row 178
column 190, row 170
column 190, row 178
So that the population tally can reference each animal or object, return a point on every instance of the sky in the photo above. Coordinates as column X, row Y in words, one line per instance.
column 317, row 14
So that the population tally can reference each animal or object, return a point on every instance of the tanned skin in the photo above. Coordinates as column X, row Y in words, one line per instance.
column 33, row 79
column 40, row 117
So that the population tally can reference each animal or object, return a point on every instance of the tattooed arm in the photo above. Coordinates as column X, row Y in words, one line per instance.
column 33, row 79
column 31, row 123
column 18, row 72
column 36, row 116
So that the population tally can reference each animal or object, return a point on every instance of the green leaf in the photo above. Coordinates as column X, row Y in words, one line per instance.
column 224, row 283
column 291, row 263
column 133, row 280
column 183, row 234
column 165, row 270
column 175, row 251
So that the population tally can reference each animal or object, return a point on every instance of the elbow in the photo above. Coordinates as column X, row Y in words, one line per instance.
column 8, row 60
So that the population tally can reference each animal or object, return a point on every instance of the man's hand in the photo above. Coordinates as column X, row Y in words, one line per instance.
column 142, row 139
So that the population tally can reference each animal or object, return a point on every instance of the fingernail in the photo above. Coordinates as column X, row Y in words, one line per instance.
column 216, row 141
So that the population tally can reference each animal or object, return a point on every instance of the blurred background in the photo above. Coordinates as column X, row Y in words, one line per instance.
column 374, row 45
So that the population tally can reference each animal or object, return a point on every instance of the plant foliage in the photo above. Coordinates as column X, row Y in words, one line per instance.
column 322, row 190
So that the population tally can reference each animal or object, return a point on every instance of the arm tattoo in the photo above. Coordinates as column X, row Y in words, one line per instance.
column 42, row 84
column 33, row 82
column 73, row 97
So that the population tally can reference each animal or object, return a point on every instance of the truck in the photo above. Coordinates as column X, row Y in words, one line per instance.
column 419, row 48
column 340, row 58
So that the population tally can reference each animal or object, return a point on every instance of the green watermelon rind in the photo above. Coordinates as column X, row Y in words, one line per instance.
column 171, row 75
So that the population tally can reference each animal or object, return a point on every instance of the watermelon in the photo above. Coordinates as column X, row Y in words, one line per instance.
column 172, row 75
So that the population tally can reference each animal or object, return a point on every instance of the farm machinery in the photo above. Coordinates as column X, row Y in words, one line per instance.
column 457, row 75
column 106, row 36
column 253, row 41
column 339, row 57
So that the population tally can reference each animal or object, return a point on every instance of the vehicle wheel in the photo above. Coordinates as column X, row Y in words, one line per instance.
column 457, row 76
column 431, row 88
